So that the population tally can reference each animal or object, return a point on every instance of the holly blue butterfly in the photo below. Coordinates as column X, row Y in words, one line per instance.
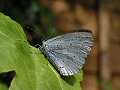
column 68, row 52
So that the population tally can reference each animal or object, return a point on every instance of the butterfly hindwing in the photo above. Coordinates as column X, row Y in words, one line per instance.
column 64, row 63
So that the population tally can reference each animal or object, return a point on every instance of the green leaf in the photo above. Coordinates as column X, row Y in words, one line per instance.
column 33, row 71
column 3, row 87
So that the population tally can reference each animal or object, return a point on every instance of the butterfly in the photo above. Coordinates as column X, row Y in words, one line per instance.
column 68, row 52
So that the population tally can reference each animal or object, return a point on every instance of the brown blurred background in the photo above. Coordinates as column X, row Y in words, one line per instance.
column 47, row 18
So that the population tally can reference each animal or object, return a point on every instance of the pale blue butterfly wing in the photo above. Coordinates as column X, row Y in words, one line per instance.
column 69, row 51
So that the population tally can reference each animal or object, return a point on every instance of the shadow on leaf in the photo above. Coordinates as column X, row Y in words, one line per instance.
column 7, row 77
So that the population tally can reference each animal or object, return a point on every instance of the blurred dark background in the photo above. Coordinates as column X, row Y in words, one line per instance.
column 43, row 19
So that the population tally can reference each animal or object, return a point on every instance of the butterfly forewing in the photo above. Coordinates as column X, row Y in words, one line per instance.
column 69, row 51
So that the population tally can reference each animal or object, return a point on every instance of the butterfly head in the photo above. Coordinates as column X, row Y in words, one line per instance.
column 45, row 46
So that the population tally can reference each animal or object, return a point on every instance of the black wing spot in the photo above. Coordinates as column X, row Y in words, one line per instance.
column 70, row 44
column 61, row 67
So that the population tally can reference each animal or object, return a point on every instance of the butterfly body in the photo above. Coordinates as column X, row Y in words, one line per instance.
column 68, row 52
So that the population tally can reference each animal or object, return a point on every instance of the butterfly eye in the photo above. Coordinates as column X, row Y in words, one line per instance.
column 46, row 46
